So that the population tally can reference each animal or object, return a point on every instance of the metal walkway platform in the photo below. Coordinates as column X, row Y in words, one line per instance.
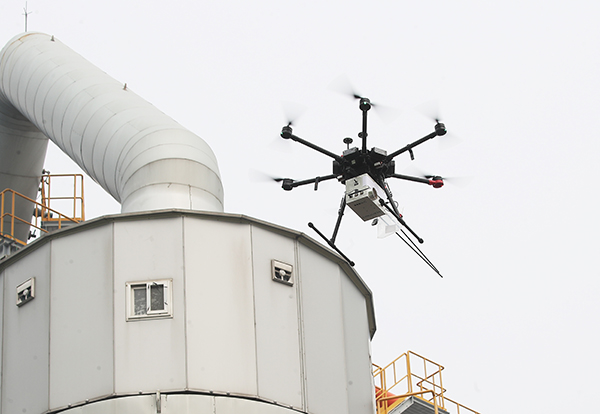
column 7, row 246
column 414, row 405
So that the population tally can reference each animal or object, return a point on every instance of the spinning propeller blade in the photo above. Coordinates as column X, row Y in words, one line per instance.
column 292, row 111
column 261, row 176
column 343, row 86
column 431, row 110
column 459, row 181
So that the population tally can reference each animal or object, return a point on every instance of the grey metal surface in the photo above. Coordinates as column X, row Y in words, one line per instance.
column 26, row 333
column 2, row 283
column 149, row 354
column 81, row 317
column 356, row 332
column 233, row 329
column 8, row 247
column 324, row 347
column 180, row 404
column 301, row 238
column 220, row 306
column 278, row 324
column 22, row 152
column 413, row 405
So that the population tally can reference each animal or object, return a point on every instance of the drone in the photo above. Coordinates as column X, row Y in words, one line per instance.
column 364, row 173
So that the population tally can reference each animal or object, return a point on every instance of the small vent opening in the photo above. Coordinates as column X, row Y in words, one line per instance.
column 26, row 292
column 282, row 272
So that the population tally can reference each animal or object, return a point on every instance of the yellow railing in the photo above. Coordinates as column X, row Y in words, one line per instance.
column 412, row 375
column 66, row 201
column 41, row 213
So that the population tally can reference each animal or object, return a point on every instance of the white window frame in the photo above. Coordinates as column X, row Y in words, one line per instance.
column 165, row 312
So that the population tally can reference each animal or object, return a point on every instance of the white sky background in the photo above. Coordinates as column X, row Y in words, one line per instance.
column 515, row 319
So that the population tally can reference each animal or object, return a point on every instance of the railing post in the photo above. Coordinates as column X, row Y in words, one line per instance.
column 441, row 388
column 2, row 214
column 74, row 195
column 408, row 372
column 12, row 214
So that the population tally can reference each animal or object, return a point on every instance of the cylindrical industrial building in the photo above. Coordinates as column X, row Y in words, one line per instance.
column 172, row 306
column 208, row 311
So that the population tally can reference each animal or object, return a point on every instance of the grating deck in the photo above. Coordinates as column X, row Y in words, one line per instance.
column 413, row 405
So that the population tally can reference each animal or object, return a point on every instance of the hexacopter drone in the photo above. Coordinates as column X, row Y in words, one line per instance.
column 364, row 173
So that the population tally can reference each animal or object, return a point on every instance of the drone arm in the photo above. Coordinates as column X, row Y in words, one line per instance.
column 409, row 147
column 436, row 182
column 289, row 184
column 440, row 129
column 286, row 133
column 316, row 148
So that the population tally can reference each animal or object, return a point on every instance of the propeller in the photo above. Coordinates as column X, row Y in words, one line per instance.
column 261, row 176
column 343, row 86
column 293, row 111
column 459, row 181
column 431, row 110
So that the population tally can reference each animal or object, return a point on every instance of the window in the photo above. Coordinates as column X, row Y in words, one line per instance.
column 151, row 299
column 282, row 272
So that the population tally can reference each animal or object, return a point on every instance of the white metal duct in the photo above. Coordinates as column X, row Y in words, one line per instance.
column 22, row 152
column 139, row 155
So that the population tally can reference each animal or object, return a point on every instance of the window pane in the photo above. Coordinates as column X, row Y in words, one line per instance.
column 157, row 297
column 139, row 300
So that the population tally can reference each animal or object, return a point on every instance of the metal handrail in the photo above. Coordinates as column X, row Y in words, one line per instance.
column 459, row 406
column 401, row 371
column 40, row 212
column 47, row 197
column 411, row 394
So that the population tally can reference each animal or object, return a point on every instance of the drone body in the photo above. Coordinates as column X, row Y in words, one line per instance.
column 364, row 173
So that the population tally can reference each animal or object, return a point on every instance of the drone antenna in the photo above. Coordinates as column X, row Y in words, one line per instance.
column 26, row 13
column 418, row 251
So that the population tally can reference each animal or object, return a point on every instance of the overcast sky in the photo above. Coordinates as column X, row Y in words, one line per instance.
column 515, row 318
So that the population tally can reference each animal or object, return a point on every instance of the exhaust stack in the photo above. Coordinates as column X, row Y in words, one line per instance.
column 139, row 155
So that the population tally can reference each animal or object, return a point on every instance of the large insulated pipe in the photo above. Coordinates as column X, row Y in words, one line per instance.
column 22, row 152
column 139, row 155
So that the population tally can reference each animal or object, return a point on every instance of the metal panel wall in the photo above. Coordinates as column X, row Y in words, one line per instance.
column 278, row 333
column 139, row 404
column 180, row 404
column 220, row 307
column 323, row 333
column 238, row 405
column 22, row 153
column 233, row 330
column 26, row 332
column 2, row 283
column 361, row 389
column 81, row 317
column 183, row 404
column 149, row 250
